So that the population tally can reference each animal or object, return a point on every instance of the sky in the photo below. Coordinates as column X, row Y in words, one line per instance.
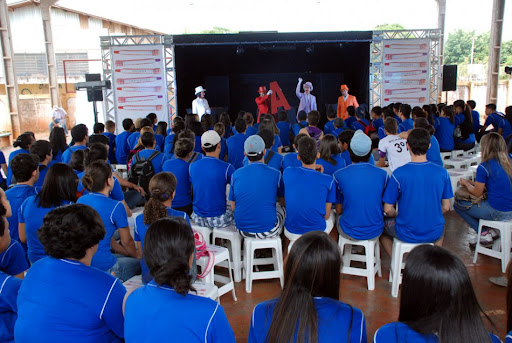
column 191, row 16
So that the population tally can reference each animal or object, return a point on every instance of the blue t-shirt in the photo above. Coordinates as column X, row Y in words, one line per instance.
column 496, row 120
column 159, row 139
column 336, row 321
column 406, row 125
column 16, row 196
column 277, row 143
column 111, row 147
column 330, row 168
column 254, row 190
column 251, row 130
column 360, row 187
column 276, row 161
column 401, row 332
column 290, row 160
column 284, row 132
column 140, row 233
column 8, row 306
column 497, row 182
column 507, row 128
column 2, row 161
column 398, row 119
column 476, row 121
column 209, row 177
column 32, row 215
column 346, row 156
column 299, row 126
column 66, row 155
column 356, row 125
column 115, row 194
column 329, row 126
column 179, row 168
column 133, row 139
column 419, row 188
column 337, row 131
column 350, row 120
column 236, row 149
column 306, row 192
column 458, row 120
column 197, row 147
column 113, row 214
column 223, row 148
column 11, row 156
column 122, row 147
column 157, row 162
column 444, row 134
column 13, row 260
column 67, row 301
column 508, row 339
column 434, row 152
column 57, row 157
column 153, row 312
column 168, row 145
column 42, row 175
column 378, row 123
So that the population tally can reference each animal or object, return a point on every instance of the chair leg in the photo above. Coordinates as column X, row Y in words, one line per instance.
column 396, row 270
column 370, row 266
column 505, row 248
column 477, row 247
column 377, row 259
column 248, row 269
column 279, row 253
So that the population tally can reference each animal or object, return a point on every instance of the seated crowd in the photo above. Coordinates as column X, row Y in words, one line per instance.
column 66, row 246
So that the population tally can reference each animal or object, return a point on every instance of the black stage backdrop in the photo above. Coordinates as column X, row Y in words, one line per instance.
column 232, row 66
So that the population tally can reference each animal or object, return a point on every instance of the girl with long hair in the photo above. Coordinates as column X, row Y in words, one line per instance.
column 165, row 306
column 464, row 120
column 162, row 189
column 308, row 309
column 437, row 302
column 226, row 120
column 269, row 123
column 24, row 141
column 329, row 155
column 177, row 126
column 58, row 143
column 494, row 174
column 445, row 127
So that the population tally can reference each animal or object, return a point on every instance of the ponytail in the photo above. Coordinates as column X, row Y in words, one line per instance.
column 96, row 175
column 161, row 188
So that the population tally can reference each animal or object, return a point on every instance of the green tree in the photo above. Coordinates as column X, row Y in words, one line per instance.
column 457, row 49
column 217, row 29
column 384, row 27
column 506, row 53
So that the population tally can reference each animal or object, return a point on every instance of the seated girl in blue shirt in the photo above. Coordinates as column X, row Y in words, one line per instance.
column 329, row 155
column 437, row 303
column 165, row 307
column 444, row 129
column 308, row 309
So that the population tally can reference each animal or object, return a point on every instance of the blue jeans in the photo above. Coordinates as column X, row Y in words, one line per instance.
column 125, row 267
column 473, row 213
column 62, row 124
column 134, row 199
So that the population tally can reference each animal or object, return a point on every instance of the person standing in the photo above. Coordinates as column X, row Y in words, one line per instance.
column 307, row 100
column 200, row 105
column 344, row 101
column 263, row 101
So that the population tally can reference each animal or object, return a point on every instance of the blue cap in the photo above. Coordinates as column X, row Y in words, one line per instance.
column 360, row 144
column 254, row 145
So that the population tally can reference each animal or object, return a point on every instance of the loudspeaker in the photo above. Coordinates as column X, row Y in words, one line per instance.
column 97, row 94
column 449, row 77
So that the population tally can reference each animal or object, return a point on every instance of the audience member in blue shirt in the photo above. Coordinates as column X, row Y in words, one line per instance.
column 179, row 167
column 423, row 184
column 161, row 187
column 302, row 122
column 290, row 159
column 309, row 307
column 444, row 130
column 43, row 150
column 177, row 127
column 235, row 144
column 493, row 174
column 437, row 302
column 122, row 148
column 148, row 141
column 167, row 303
column 475, row 116
column 507, row 124
column 271, row 158
column 339, row 127
column 344, row 139
column 62, row 298
column 361, row 218
column 8, row 306
column 59, row 189
column 99, row 181
column 308, row 207
column 285, row 129
column 12, row 256
column 330, row 159
column 80, row 135
column 377, row 120
column 134, row 137
column 26, row 171
column 209, row 177
column 253, row 194
column 360, row 123
column 434, row 152
column 396, row 111
column 464, row 121
column 331, row 116
column 220, row 129
column 497, row 120
column 3, row 167
column 351, row 111
column 251, row 128
column 58, row 143
column 24, row 141
column 405, row 115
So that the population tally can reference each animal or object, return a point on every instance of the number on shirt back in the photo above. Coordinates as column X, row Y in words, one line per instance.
column 400, row 146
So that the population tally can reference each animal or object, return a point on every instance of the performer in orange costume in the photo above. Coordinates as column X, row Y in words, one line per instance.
column 263, row 101
column 345, row 101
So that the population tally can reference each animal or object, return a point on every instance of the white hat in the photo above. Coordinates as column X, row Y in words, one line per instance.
column 360, row 144
column 309, row 84
column 209, row 139
column 199, row 89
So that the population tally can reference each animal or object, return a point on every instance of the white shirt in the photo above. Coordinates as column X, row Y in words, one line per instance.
column 396, row 151
column 59, row 113
column 200, row 106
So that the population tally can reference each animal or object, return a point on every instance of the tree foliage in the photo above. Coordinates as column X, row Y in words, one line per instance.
column 217, row 29
column 457, row 49
column 384, row 27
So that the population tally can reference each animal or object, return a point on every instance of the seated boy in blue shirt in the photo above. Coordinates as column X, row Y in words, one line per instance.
column 235, row 144
column 43, row 150
column 12, row 255
column 339, row 127
column 122, row 147
column 362, row 215
column 291, row 160
column 80, row 135
column 302, row 123
column 361, row 122
column 253, row 194
column 110, row 129
column 331, row 116
column 285, row 130
column 209, row 177
column 344, row 139
column 309, row 194
column 405, row 115
column 377, row 120
column 422, row 191
column 351, row 111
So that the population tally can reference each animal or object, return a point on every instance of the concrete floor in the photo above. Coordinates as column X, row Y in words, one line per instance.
column 378, row 306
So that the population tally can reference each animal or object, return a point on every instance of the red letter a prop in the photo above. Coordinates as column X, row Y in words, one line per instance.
column 277, row 98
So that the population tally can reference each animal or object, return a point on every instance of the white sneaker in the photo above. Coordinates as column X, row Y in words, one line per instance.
column 494, row 233
column 485, row 239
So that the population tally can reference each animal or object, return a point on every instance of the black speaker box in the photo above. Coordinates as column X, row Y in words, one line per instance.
column 449, row 77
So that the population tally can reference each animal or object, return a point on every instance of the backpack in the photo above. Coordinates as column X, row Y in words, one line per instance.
column 201, row 250
column 142, row 170
column 368, row 129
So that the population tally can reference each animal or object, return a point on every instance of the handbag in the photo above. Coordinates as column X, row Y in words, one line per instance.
column 202, row 250
column 462, row 193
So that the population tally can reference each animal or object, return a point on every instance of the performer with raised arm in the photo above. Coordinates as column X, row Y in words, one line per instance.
column 307, row 100
column 263, row 101
column 200, row 104
column 344, row 101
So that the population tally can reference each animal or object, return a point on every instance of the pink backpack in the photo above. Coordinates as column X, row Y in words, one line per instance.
column 201, row 250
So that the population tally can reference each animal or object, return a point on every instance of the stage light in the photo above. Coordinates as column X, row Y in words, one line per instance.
column 240, row 50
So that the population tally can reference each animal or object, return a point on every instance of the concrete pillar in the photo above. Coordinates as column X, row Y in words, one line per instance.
column 498, row 11
column 9, row 70
column 50, row 51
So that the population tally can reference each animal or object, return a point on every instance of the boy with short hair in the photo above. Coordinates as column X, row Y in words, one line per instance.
column 393, row 147
column 497, row 120
column 396, row 111
column 271, row 158
column 339, row 126
column 362, row 215
column 110, row 129
column 312, row 130
column 285, row 130
column 344, row 139
column 122, row 147
column 209, row 177
column 422, row 191
column 302, row 122
column 331, row 116
column 134, row 137
column 351, row 111
column 153, row 119
column 405, row 116
column 309, row 194
column 80, row 135
column 251, row 129
column 361, row 123
column 43, row 150
column 377, row 120
column 291, row 160
column 235, row 144
column 253, row 194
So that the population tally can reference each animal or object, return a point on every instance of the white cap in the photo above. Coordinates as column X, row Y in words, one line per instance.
column 199, row 89
column 209, row 139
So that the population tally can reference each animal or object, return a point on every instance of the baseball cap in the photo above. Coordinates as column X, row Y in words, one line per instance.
column 360, row 144
column 209, row 139
column 254, row 145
